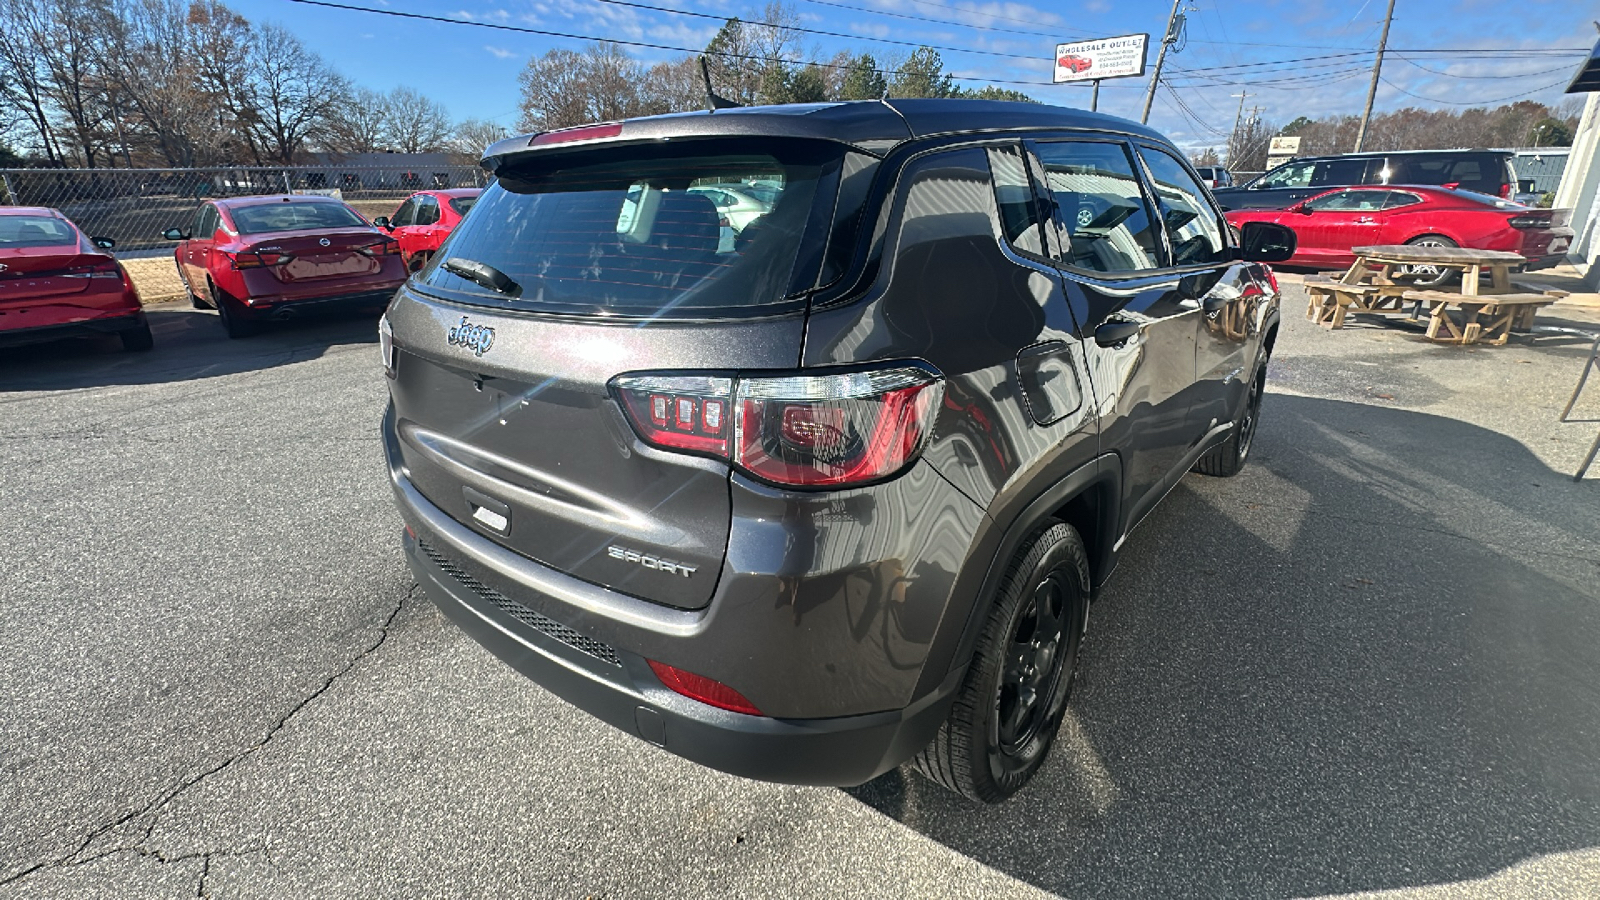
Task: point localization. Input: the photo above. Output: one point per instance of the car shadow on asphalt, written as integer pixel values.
(189, 344)
(1366, 663)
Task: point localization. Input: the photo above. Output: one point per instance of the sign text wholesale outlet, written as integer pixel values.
(1117, 57)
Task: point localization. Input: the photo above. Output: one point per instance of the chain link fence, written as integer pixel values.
(134, 206)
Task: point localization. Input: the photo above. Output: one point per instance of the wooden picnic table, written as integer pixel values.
(1377, 284)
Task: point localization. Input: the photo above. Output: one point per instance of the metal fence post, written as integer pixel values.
(288, 186)
(5, 184)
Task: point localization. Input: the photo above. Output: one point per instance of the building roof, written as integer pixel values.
(1588, 77)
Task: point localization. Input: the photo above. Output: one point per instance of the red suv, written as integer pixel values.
(425, 219)
(254, 258)
(55, 282)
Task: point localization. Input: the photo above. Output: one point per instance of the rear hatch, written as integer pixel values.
(43, 258)
(607, 263)
(1545, 232)
(297, 257)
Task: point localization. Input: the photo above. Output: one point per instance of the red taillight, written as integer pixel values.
(258, 259)
(103, 269)
(698, 687)
(1505, 192)
(381, 248)
(581, 133)
(686, 412)
(831, 430)
(1523, 221)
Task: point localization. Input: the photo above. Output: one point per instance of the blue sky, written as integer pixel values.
(1232, 45)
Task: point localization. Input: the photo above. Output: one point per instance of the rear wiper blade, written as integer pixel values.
(482, 273)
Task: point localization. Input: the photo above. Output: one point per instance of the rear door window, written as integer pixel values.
(631, 231)
(427, 210)
(1100, 206)
(1019, 209)
(1336, 172)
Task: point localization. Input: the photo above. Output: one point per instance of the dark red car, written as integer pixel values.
(55, 282)
(259, 258)
(425, 219)
(1331, 223)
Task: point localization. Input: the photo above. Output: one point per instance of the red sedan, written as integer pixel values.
(1329, 224)
(55, 282)
(425, 219)
(255, 258)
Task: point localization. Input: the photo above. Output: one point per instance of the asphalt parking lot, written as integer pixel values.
(1367, 664)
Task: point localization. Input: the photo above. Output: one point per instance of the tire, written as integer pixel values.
(230, 312)
(995, 737)
(417, 261)
(1227, 458)
(1430, 277)
(137, 340)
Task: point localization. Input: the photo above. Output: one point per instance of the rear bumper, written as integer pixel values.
(1545, 262)
(283, 304)
(850, 692)
(624, 693)
(114, 324)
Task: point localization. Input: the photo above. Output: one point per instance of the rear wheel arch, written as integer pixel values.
(1089, 499)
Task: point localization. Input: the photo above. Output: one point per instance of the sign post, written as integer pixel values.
(1094, 61)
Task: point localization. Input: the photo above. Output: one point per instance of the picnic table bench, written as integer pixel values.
(1382, 282)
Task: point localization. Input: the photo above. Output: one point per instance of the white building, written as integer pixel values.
(1580, 183)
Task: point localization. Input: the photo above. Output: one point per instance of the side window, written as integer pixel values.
(1194, 227)
(1336, 172)
(198, 223)
(1099, 206)
(1019, 211)
(1292, 175)
(427, 210)
(406, 214)
(1398, 199)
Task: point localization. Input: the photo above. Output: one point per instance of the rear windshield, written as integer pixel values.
(35, 231)
(704, 228)
(462, 204)
(294, 217)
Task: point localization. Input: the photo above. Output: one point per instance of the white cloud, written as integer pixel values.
(499, 52)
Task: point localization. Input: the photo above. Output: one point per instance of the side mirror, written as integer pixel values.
(383, 222)
(175, 234)
(1303, 209)
(1266, 242)
(104, 243)
(1115, 332)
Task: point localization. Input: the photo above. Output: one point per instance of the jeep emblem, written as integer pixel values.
(477, 338)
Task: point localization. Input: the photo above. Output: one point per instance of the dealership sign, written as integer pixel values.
(1116, 57)
(1284, 146)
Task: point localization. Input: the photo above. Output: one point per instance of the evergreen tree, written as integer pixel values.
(863, 81)
(922, 75)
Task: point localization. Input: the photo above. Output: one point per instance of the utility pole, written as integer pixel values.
(1377, 66)
(1166, 40)
(1233, 139)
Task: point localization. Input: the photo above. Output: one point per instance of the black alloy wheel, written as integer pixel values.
(1430, 277)
(231, 313)
(1005, 716)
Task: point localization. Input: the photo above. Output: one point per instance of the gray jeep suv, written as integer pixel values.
(807, 494)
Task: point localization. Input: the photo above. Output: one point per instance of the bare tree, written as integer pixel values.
(23, 76)
(565, 88)
(673, 86)
(473, 136)
(360, 123)
(415, 124)
(291, 91)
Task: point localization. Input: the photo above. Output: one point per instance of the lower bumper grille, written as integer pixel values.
(545, 625)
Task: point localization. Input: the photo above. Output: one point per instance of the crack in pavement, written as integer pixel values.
(153, 809)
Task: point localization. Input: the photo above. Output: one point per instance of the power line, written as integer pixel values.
(519, 29)
(1547, 87)
(833, 34)
(1485, 77)
(899, 15)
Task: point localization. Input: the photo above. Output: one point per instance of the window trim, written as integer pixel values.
(1047, 223)
(1163, 252)
(1229, 250)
